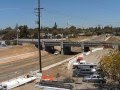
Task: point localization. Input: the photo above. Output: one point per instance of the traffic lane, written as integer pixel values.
(26, 68)
(94, 57)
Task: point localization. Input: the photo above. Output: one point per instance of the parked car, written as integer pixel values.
(94, 79)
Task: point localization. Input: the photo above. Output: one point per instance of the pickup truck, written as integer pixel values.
(94, 79)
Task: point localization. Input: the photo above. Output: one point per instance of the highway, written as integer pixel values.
(23, 66)
(17, 68)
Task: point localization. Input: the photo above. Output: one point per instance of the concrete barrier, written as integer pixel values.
(97, 49)
(17, 82)
(74, 59)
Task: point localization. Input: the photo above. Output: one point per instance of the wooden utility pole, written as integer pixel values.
(39, 38)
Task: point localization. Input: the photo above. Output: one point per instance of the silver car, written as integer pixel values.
(94, 79)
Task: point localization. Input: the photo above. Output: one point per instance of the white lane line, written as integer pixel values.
(107, 38)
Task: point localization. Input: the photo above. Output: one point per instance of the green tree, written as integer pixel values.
(110, 65)
(55, 26)
(72, 30)
(10, 35)
(24, 31)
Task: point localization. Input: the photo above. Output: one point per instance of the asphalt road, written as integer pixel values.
(17, 68)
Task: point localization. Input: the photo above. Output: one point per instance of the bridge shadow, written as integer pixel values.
(53, 50)
(37, 47)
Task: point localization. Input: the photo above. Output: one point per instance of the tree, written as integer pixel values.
(55, 26)
(72, 29)
(23, 31)
(110, 65)
(55, 32)
(10, 35)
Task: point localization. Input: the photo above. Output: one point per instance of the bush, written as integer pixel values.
(14, 43)
(7, 42)
(68, 80)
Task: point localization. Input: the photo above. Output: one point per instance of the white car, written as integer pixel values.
(77, 65)
(81, 62)
(56, 52)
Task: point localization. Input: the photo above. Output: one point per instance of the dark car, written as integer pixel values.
(83, 72)
(94, 79)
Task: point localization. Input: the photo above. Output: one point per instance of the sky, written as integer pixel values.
(80, 13)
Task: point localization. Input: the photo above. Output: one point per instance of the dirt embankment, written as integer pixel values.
(113, 39)
(19, 53)
(16, 50)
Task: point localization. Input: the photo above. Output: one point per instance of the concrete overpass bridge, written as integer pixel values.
(48, 44)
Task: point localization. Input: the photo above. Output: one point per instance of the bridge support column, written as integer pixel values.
(85, 48)
(65, 49)
(82, 46)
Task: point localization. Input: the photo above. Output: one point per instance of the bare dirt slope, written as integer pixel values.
(80, 38)
(16, 50)
(113, 39)
(19, 53)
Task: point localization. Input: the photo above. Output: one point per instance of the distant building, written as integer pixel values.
(49, 35)
(42, 34)
(59, 36)
(81, 34)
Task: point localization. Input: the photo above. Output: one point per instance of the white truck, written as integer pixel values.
(83, 64)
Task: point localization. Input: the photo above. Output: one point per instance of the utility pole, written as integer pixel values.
(39, 38)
